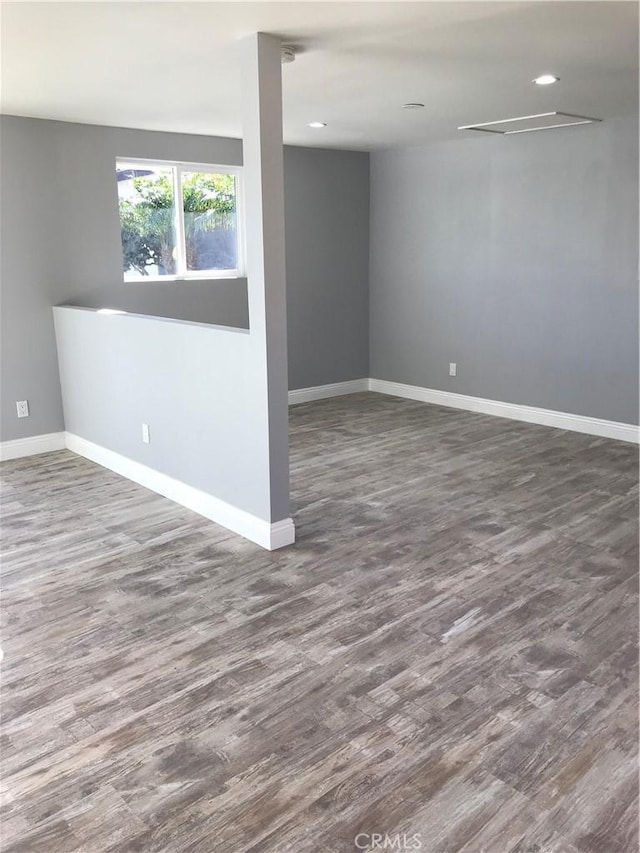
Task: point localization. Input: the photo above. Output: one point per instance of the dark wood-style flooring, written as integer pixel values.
(449, 649)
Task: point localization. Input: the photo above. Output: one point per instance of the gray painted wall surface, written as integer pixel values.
(327, 243)
(60, 243)
(517, 258)
(29, 261)
(90, 269)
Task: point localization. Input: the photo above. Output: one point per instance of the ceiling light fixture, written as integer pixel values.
(317, 124)
(413, 106)
(545, 79)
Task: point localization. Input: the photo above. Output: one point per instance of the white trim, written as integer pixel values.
(514, 411)
(211, 168)
(194, 275)
(178, 222)
(281, 534)
(269, 536)
(321, 392)
(31, 446)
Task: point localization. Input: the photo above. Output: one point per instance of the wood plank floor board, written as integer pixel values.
(450, 648)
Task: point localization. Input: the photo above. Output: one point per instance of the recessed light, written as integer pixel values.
(412, 106)
(317, 124)
(545, 79)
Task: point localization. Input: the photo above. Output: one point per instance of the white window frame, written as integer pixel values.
(183, 273)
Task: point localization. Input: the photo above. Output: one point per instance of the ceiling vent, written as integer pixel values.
(527, 124)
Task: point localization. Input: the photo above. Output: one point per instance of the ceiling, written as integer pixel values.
(175, 66)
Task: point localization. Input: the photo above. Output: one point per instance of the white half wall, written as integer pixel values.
(200, 390)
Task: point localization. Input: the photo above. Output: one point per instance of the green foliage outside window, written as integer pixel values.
(147, 218)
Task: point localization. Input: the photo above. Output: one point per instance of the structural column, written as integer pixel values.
(265, 244)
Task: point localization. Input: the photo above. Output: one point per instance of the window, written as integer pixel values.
(178, 221)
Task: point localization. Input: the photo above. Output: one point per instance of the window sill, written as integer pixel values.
(162, 279)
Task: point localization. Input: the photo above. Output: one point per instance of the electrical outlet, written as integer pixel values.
(22, 407)
(146, 438)
(453, 368)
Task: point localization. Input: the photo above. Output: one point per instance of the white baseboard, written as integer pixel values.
(269, 536)
(31, 446)
(514, 411)
(321, 392)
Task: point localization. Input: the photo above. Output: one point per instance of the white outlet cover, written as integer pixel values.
(453, 367)
(22, 407)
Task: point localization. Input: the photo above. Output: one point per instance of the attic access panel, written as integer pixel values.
(528, 124)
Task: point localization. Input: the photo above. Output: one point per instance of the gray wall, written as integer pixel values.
(517, 258)
(30, 256)
(327, 241)
(90, 272)
(60, 243)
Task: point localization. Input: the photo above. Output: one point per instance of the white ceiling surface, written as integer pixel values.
(175, 66)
